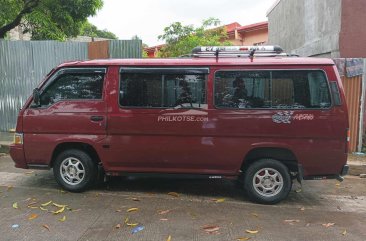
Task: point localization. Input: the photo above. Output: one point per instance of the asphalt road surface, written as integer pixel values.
(175, 209)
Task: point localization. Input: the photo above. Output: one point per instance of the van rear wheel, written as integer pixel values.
(74, 170)
(267, 181)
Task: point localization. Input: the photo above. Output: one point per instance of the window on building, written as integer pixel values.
(74, 86)
(271, 89)
(156, 90)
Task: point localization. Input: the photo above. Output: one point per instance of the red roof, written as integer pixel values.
(254, 26)
(232, 26)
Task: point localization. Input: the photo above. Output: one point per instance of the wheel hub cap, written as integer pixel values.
(268, 182)
(72, 171)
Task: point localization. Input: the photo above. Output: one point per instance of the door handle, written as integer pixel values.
(96, 118)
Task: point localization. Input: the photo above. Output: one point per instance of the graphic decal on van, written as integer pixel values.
(285, 117)
(189, 115)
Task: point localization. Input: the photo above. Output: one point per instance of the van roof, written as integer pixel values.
(202, 61)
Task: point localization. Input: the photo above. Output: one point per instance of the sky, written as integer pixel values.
(148, 18)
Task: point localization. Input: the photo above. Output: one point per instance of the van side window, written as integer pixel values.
(74, 86)
(150, 90)
(281, 89)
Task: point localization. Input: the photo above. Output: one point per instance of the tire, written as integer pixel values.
(267, 181)
(74, 170)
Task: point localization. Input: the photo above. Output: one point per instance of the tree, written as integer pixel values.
(91, 30)
(182, 39)
(47, 19)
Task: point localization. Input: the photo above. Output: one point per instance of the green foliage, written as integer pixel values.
(182, 39)
(47, 19)
(91, 30)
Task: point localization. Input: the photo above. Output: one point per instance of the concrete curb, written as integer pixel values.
(356, 168)
(4, 147)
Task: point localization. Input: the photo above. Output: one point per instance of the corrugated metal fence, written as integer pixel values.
(23, 64)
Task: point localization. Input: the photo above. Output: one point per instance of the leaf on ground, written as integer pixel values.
(15, 205)
(169, 238)
(58, 205)
(117, 226)
(32, 207)
(8, 188)
(291, 221)
(243, 238)
(252, 231)
(162, 212)
(219, 200)
(298, 190)
(132, 224)
(302, 209)
(163, 219)
(46, 204)
(211, 229)
(344, 232)
(32, 216)
(31, 204)
(255, 215)
(63, 219)
(43, 209)
(46, 227)
(132, 210)
(174, 194)
(126, 220)
(327, 225)
(118, 211)
(134, 199)
(59, 211)
(29, 173)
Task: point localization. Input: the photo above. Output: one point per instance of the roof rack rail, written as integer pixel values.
(238, 51)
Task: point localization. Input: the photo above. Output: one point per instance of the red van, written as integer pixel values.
(247, 113)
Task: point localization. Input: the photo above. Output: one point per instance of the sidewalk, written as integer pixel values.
(6, 138)
(357, 163)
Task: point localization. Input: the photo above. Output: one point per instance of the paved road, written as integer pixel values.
(95, 214)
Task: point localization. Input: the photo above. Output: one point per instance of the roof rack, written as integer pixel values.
(238, 51)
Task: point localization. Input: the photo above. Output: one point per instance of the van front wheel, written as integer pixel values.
(267, 181)
(74, 170)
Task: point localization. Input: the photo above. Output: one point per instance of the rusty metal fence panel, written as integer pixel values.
(23, 64)
(352, 88)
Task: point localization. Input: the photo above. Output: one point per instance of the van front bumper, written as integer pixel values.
(17, 154)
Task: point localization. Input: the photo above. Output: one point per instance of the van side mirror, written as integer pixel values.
(36, 97)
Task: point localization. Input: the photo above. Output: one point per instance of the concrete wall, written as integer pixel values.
(306, 27)
(353, 31)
